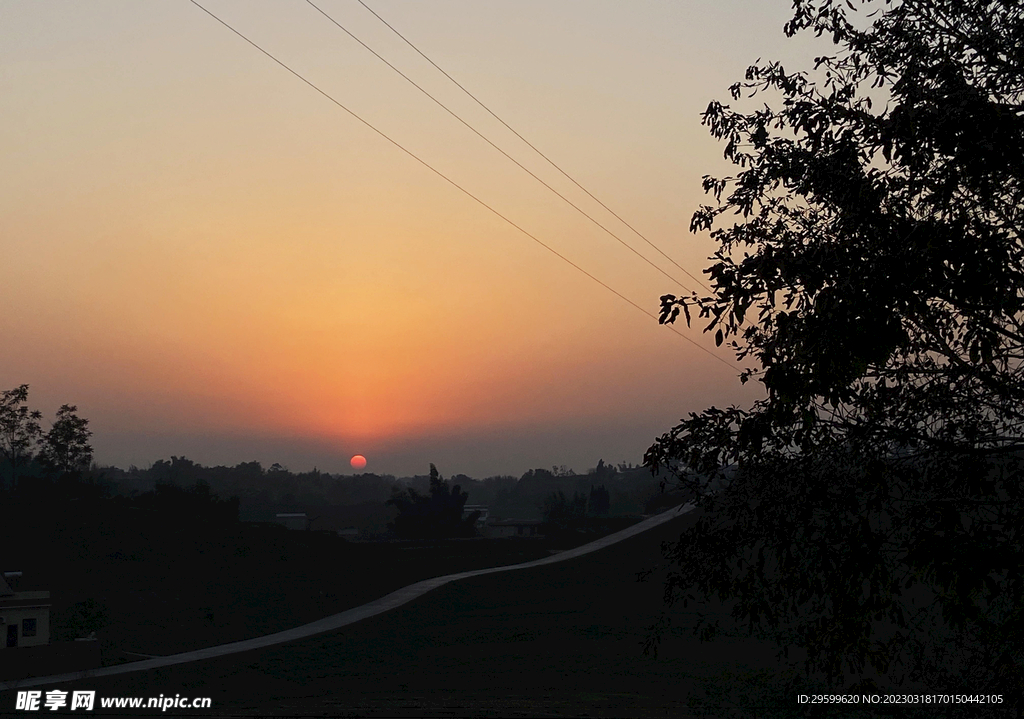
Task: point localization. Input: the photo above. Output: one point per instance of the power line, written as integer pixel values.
(453, 183)
(532, 146)
(488, 141)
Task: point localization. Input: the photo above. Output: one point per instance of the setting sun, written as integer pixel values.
(358, 461)
(309, 287)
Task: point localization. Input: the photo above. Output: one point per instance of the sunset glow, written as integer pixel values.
(211, 259)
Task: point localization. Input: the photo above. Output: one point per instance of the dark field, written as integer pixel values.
(550, 641)
(254, 581)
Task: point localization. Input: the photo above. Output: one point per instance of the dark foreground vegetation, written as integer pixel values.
(870, 274)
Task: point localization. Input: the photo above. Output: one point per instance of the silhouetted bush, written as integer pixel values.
(434, 516)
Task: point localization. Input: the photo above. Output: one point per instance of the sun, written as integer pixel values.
(358, 461)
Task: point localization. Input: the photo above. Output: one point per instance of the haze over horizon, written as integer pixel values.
(212, 260)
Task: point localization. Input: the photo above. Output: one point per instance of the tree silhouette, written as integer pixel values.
(66, 448)
(867, 508)
(20, 430)
(436, 516)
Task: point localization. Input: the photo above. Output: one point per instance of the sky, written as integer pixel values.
(213, 260)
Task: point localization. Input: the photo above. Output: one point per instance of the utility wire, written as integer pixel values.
(531, 145)
(455, 184)
(485, 139)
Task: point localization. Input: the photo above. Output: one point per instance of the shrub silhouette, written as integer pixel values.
(434, 516)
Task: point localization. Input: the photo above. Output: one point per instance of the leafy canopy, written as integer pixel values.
(20, 430)
(66, 446)
(872, 278)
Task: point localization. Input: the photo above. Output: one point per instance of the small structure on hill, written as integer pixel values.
(25, 636)
(24, 616)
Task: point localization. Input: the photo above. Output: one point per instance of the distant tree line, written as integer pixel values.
(35, 458)
(264, 491)
(47, 478)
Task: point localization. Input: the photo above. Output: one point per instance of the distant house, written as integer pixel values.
(24, 616)
(25, 634)
(348, 532)
(293, 520)
(498, 528)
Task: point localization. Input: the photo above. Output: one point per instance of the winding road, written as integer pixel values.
(349, 616)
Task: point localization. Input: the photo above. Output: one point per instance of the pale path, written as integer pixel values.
(349, 616)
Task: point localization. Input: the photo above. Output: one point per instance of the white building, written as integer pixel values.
(24, 616)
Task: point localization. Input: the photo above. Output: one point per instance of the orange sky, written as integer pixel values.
(212, 260)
